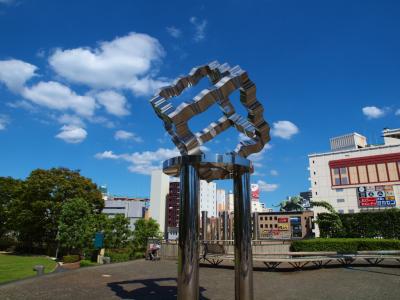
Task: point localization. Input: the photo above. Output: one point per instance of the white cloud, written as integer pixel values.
(70, 120)
(267, 187)
(174, 32)
(57, 96)
(274, 173)
(200, 27)
(257, 157)
(15, 73)
(4, 120)
(284, 129)
(72, 134)
(373, 112)
(106, 155)
(113, 102)
(142, 162)
(397, 113)
(124, 62)
(126, 135)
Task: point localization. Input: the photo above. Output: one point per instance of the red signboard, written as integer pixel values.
(283, 220)
(367, 201)
(255, 192)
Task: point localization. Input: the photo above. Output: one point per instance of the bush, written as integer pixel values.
(67, 259)
(87, 263)
(344, 245)
(118, 255)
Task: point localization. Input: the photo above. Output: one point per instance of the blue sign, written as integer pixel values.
(98, 240)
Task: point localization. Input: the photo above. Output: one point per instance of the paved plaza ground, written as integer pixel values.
(157, 280)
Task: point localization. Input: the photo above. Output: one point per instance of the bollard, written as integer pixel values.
(39, 270)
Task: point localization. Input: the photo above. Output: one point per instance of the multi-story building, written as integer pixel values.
(131, 208)
(284, 225)
(208, 198)
(221, 201)
(158, 193)
(355, 176)
(230, 205)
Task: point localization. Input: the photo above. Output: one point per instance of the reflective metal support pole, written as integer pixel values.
(204, 225)
(188, 257)
(242, 229)
(255, 226)
(225, 232)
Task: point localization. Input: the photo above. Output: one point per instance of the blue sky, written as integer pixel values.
(76, 77)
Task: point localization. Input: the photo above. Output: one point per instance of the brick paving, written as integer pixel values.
(157, 280)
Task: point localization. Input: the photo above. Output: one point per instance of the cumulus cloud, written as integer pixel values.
(57, 96)
(284, 129)
(273, 173)
(373, 112)
(15, 73)
(113, 102)
(200, 28)
(4, 120)
(72, 134)
(174, 32)
(267, 187)
(124, 62)
(141, 162)
(70, 120)
(127, 136)
(106, 155)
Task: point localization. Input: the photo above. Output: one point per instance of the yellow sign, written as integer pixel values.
(283, 226)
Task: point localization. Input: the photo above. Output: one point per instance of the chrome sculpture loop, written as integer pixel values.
(194, 165)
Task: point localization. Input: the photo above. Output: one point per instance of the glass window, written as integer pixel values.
(341, 211)
(270, 225)
(276, 225)
(362, 172)
(351, 211)
(353, 175)
(382, 172)
(343, 176)
(262, 226)
(393, 175)
(340, 200)
(373, 176)
(335, 176)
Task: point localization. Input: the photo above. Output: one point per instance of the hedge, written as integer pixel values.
(376, 224)
(344, 245)
(118, 255)
(71, 258)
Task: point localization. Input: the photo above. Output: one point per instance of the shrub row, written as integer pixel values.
(124, 254)
(344, 245)
(71, 258)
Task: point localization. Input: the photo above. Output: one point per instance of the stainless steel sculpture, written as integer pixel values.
(194, 165)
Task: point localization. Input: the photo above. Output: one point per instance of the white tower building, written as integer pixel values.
(158, 193)
(208, 198)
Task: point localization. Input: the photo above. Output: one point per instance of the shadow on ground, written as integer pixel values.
(158, 288)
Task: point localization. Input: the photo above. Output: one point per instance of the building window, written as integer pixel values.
(316, 193)
(276, 226)
(315, 173)
(262, 226)
(270, 225)
(315, 183)
(363, 175)
(341, 211)
(382, 172)
(275, 218)
(340, 200)
(270, 218)
(353, 175)
(372, 173)
(392, 169)
(339, 190)
(351, 211)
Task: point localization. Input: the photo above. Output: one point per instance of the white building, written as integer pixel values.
(355, 176)
(131, 209)
(230, 204)
(221, 200)
(158, 192)
(208, 198)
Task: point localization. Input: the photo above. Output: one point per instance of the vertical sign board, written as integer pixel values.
(98, 240)
(376, 196)
(255, 192)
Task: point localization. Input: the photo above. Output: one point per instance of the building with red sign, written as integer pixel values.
(355, 176)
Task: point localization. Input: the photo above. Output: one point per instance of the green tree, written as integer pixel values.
(294, 203)
(329, 223)
(10, 192)
(145, 229)
(75, 225)
(37, 215)
(117, 233)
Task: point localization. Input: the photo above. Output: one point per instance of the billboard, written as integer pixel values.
(255, 192)
(376, 196)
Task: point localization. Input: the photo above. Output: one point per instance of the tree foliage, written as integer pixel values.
(145, 229)
(10, 192)
(329, 223)
(294, 203)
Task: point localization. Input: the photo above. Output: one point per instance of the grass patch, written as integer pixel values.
(13, 267)
(87, 263)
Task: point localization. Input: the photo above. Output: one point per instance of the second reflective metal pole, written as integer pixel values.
(242, 230)
(188, 256)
